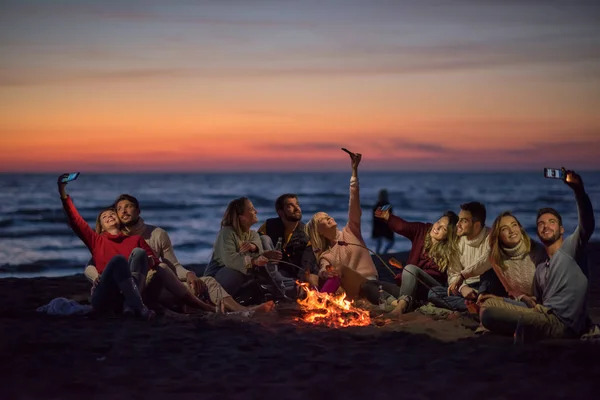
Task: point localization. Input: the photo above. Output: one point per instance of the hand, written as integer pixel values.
(385, 215)
(530, 301)
(453, 289)
(330, 272)
(573, 180)
(273, 255)
(61, 186)
(260, 261)
(355, 159)
(468, 293)
(248, 247)
(483, 297)
(193, 282)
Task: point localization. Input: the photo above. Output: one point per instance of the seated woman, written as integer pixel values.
(237, 249)
(514, 257)
(341, 255)
(116, 255)
(433, 259)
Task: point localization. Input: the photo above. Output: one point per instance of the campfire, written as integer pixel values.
(331, 310)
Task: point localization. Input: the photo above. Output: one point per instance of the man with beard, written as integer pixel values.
(477, 275)
(560, 283)
(296, 248)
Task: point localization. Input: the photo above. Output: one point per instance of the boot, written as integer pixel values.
(133, 300)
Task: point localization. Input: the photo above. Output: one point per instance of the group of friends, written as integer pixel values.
(455, 262)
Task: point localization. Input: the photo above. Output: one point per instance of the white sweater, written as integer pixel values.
(475, 255)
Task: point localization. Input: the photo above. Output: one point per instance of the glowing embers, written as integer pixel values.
(331, 310)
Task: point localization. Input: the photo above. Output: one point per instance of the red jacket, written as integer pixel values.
(415, 232)
(104, 246)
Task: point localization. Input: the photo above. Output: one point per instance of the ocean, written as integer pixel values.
(35, 239)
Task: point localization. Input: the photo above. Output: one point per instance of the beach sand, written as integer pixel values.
(273, 356)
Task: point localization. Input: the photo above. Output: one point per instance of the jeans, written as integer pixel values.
(411, 277)
(231, 280)
(107, 295)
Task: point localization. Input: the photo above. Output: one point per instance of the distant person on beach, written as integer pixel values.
(341, 255)
(513, 256)
(433, 259)
(237, 249)
(560, 306)
(296, 247)
(474, 249)
(169, 285)
(116, 256)
(381, 230)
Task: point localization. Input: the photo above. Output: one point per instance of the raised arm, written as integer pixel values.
(574, 245)
(76, 221)
(354, 209)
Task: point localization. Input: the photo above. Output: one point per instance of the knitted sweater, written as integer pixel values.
(475, 256)
(227, 251)
(354, 257)
(519, 269)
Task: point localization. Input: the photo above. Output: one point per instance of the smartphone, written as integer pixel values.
(70, 178)
(554, 173)
(386, 207)
(347, 151)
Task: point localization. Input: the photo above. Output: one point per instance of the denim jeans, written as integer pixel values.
(107, 296)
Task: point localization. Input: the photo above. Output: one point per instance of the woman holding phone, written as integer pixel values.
(115, 255)
(433, 259)
(342, 255)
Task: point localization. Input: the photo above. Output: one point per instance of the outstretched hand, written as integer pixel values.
(379, 213)
(573, 180)
(354, 158)
(61, 186)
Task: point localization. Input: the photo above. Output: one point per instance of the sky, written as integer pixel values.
(257, 85)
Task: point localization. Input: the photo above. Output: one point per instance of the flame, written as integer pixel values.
(331, 310)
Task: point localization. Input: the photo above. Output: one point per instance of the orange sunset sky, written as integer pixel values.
(258, 85)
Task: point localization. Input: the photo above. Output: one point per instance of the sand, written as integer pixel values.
(273, 356)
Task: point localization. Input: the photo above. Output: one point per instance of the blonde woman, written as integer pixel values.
(237, 249)
(433, 258)
(342, 257)
(514, 257)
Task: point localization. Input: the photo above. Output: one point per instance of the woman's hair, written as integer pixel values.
(318, 242)
(98, 227)
(445, 251)
(232, 214)
(496, 253)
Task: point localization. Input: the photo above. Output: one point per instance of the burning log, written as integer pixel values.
(330, 310)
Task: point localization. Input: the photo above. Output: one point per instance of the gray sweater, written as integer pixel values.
(561, 282)
(227, 251)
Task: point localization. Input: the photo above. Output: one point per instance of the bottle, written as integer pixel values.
(278, 247)
(382, 299)
(519, 336)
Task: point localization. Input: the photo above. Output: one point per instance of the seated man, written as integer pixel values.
(296, 248)
(560, 283)
(477, 276)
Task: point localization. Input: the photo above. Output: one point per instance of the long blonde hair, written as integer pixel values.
(232, 214)
(497, 255)
(443, 252)
(319, 243)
